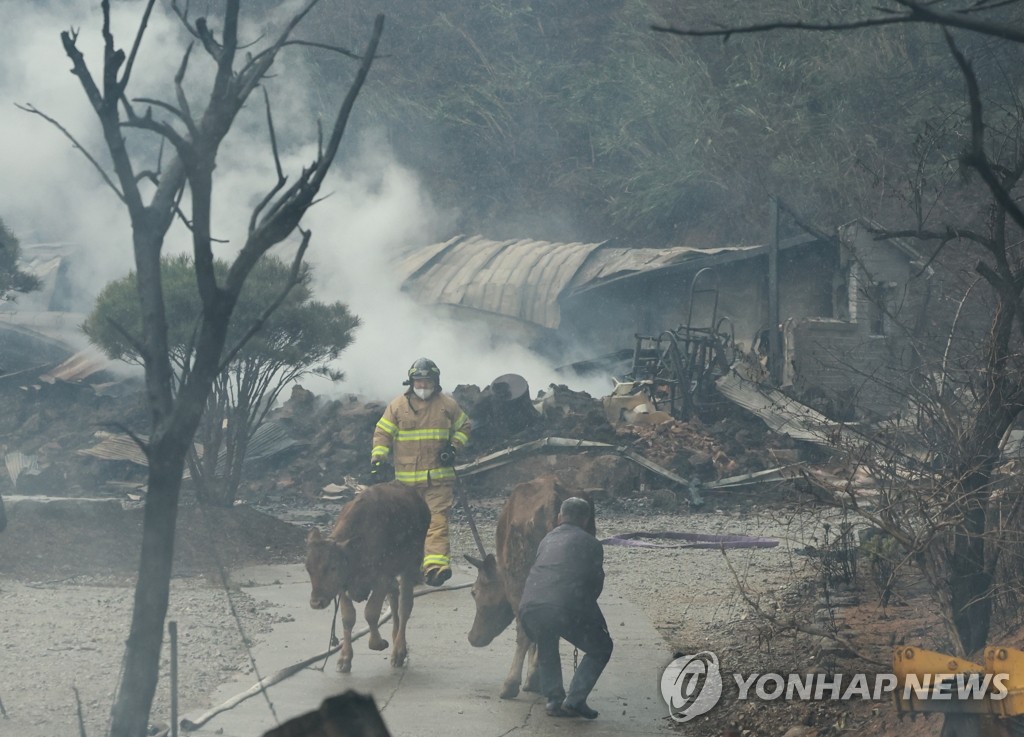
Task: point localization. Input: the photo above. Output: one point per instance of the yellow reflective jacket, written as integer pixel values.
(413, 431)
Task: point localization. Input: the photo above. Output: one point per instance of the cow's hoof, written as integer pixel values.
(532, 685)
(344, 666)
(378, 643)
(399, 660)
(509, 691)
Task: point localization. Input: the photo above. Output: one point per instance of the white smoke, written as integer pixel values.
(376, 207)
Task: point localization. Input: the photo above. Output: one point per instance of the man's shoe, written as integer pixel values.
(554, 708)
(436, 576)
(581, 710)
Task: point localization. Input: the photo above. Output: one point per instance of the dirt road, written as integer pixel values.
(62, 634)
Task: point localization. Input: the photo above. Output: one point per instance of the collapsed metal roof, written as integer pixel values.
(525, 279)
(78, 367)
(268, 440)
(517, 278)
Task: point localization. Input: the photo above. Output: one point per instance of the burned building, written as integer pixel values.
(844, 304)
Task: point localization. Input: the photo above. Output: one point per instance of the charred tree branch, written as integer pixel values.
(74, 142)
(294, 277)
(129, 65)
(976, 157)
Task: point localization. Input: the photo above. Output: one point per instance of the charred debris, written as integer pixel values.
(64, 432)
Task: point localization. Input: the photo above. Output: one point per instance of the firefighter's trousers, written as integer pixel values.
(437, 548)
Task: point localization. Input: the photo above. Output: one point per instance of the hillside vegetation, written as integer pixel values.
(576, 120)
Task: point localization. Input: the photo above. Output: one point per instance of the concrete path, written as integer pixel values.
(448, 687)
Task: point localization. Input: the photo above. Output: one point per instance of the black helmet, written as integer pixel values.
(424, 368)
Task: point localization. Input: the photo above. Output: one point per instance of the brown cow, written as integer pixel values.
(377, 538)
(528, 515)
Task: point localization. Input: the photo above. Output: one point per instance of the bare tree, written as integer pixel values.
(195, 138)
(947, 525)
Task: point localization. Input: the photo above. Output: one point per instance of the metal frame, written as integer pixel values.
(677, 368)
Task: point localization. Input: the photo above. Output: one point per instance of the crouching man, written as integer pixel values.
(560, 601)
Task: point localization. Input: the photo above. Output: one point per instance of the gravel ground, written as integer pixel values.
(59, 635)
(59, 638)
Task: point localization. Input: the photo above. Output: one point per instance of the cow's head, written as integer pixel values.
(327, 563)
(493, 610)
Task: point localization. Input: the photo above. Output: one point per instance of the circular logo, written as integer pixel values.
(691, 685)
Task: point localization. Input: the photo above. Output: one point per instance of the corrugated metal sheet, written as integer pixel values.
(525, 279)
(79, 367)
(116, 448)
(517, 278)
(269, 439)
(18, 463)
(787, 416)
(613, 263)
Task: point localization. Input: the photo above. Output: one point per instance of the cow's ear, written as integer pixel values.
(475, 562)
(313, 536)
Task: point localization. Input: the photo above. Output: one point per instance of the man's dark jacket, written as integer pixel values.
(567, 573)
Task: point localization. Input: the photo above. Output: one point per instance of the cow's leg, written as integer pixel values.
(348, 621)
(532, 684)
(405, 599)
(393, 603)
(372, 613)
(510, 689)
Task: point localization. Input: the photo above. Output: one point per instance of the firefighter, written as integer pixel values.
(420, 432)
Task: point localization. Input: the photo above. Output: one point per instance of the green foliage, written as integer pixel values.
(300, 336)
(301, 332)
(12, 279)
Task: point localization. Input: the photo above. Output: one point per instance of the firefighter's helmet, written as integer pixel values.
(424, 368)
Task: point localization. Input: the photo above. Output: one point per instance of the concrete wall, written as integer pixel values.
(838, 368)
(864, 359)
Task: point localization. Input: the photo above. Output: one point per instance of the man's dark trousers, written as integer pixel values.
(586, 630)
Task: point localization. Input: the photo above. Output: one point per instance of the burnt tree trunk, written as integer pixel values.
(130, 715)
(174, 416)
(969, 558)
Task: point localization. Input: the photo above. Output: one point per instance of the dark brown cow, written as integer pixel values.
(528, 515)
(377, 539)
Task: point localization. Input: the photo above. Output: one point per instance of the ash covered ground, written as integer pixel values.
(67, 569)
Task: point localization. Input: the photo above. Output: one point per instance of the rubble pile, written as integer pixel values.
(68, 439)
(44, 425)
(732, 445)
(334, 439)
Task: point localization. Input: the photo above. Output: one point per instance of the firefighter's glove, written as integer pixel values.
(446, 456)
(377, 469)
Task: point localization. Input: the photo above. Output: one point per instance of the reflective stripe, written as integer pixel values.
(461, 437)
(422, 477)
(436, 561)
(381, 451)
(462, 419)
(430, 433)
(387, 426)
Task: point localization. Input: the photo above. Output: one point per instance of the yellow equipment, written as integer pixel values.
(994, 715)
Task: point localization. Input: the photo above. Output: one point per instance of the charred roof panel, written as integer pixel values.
(616, 263)
(525, 279)
(516, 278)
